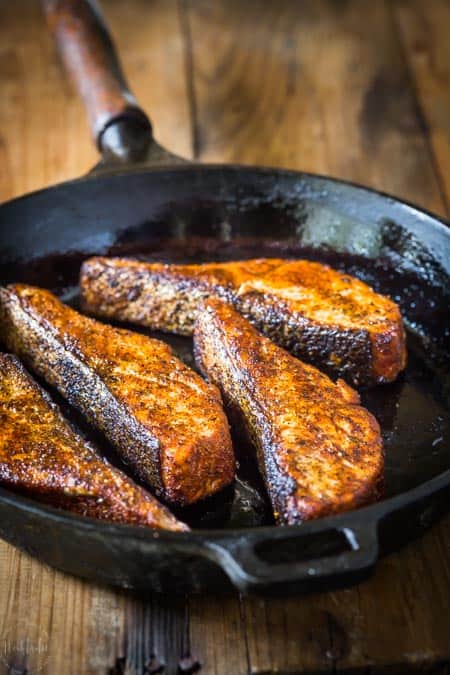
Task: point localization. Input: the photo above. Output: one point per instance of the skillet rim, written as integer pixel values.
(95, 174)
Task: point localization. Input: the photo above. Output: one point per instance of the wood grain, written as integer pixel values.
(356, 89)
(324, 88)
(44, 137)
(423, 29)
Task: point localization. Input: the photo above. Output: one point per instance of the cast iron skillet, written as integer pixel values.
(142, 201)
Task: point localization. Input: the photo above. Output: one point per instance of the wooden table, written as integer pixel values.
(355, 89)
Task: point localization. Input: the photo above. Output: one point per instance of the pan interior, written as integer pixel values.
(196, 215)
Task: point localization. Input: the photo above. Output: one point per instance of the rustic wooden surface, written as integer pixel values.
(357, 89)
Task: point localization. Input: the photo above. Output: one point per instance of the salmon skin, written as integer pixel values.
(324, 317)
(166, 423)
(319, 451)
(43, 457)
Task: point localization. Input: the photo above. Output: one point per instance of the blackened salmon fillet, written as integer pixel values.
(325, 317)
(166, 423)
(319, 451)
(43, 457)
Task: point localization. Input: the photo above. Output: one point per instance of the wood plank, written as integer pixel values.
(325, 88)
(312, 86)
(43, 133)
(217, 634)
(156, 637)
(424, 29)
(155, 63)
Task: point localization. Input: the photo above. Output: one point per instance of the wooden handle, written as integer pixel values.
(89, 55)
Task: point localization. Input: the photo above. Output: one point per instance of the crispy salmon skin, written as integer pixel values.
(163, 419)
(43, 457)
(325, 317)
(319, 451)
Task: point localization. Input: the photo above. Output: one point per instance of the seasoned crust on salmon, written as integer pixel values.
(319, 451)
(328, 318)
(163, 419)
(43, 457)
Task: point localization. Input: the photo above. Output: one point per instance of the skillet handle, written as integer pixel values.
(254, 561)
(119, 126)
